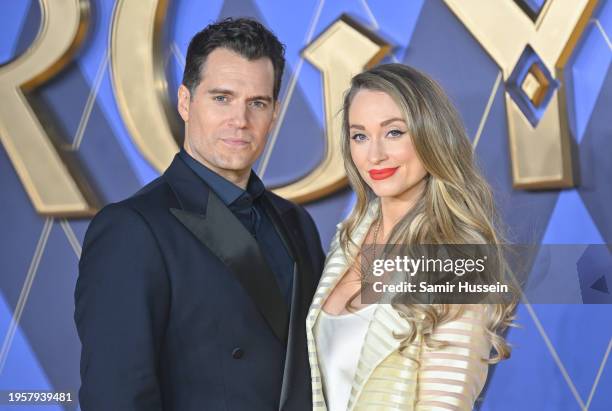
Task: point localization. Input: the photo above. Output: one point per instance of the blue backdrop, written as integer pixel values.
(561, 352)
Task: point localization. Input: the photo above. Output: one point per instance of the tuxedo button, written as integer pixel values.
(237, 353)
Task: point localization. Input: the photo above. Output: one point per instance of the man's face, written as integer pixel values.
(229, 115)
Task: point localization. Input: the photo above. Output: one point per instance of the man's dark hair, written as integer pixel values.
(247, 37)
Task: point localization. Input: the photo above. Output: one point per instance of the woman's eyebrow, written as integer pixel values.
(384, 123)
(391, 120)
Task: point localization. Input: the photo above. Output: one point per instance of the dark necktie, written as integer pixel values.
(244, 209)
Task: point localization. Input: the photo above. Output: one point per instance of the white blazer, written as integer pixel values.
(420, 378)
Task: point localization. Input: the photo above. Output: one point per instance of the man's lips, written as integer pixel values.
(382, 173)
(236, 142)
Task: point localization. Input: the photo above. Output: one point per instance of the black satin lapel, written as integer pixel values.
(223, 234)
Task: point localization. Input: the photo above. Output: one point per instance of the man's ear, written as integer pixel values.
(184, 98)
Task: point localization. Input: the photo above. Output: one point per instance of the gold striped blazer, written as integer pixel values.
(420, 378)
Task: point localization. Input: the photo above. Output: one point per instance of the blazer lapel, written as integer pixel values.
(378, 344)
(336, 266)
(379, 341)
(223, 234)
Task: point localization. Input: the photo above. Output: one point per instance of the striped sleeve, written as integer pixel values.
(451, 377)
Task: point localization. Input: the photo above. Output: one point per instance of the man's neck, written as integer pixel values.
(239, 178)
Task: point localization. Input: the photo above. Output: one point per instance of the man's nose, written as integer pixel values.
(239, 116)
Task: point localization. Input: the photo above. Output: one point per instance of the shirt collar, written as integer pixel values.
(227, 191)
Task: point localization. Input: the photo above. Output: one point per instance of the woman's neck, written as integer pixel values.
(392, 209)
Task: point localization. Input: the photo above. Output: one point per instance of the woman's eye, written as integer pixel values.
(395, 133)
(359, 137)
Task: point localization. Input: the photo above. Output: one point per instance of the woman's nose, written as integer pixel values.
(376, 151)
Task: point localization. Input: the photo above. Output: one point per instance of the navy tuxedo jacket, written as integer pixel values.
(177, 309)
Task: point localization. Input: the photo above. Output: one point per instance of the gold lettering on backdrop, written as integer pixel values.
(139, 81)
(541, 155)
(341, 51)
(43, 172)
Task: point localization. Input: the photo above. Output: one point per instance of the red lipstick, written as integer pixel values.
(382, 173)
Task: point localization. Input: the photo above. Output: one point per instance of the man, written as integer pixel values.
(193, 293)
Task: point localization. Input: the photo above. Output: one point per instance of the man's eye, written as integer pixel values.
(359, 137)
(220, 99)
(259, 104)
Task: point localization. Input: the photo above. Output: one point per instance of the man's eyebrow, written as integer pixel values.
(267, 99)
(221, 91)
(231, 93)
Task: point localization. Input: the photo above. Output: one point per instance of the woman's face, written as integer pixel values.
(381, 147)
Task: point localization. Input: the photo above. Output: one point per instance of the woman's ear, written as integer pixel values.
(184, 98)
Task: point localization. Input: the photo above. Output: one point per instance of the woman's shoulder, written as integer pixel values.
(350, 231)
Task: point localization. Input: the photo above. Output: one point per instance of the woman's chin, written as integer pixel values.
(386, 193)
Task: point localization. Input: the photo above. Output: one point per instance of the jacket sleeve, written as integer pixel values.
(451, 377)
(121, 305)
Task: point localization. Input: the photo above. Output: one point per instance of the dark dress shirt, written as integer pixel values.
(246, 206)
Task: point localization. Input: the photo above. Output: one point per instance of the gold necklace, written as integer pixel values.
(375, 240)
(376, 229)
(368, 275)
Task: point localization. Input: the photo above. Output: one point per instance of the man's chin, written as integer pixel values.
(236, 162)
(237, 167)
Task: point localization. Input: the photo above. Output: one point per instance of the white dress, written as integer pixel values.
(339, 340)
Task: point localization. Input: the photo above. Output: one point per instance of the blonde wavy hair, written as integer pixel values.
(456, 206)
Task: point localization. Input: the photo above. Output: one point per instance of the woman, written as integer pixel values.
(411, 165)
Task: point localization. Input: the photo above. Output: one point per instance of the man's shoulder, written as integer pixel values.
(283, 206)
(153, 197)
(157, 193)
